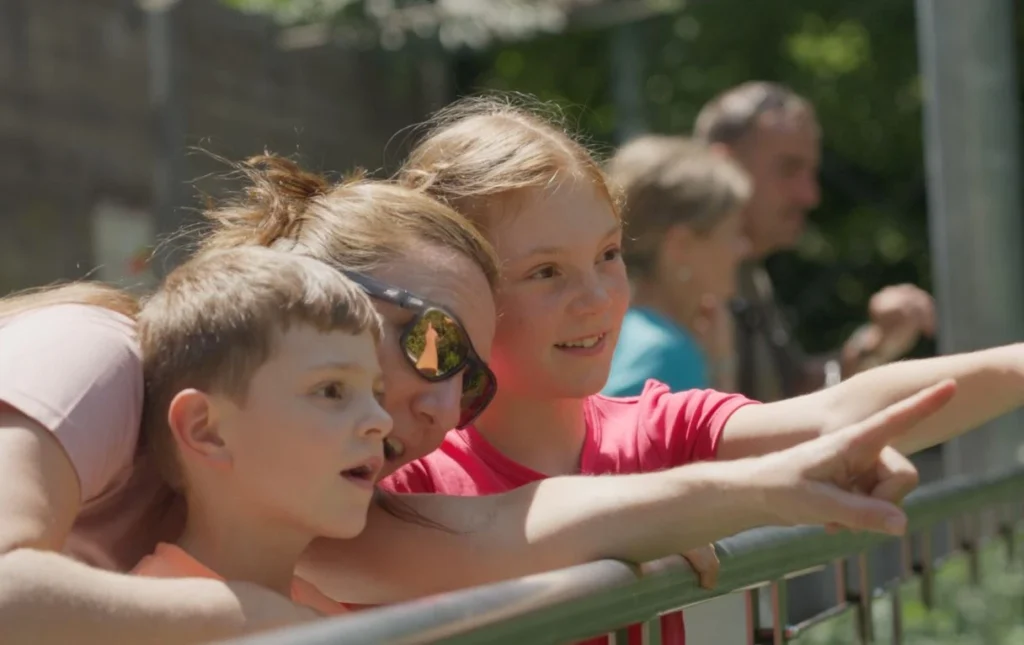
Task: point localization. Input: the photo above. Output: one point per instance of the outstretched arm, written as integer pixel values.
(990, 383)
(48, 598)
(569, 520)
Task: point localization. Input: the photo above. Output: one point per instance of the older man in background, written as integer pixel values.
(774, 134)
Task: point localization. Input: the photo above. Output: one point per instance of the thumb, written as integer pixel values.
(857, 512)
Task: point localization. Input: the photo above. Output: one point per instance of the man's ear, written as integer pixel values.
(192, 417)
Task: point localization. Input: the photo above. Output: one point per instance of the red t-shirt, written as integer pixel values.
(653, 431)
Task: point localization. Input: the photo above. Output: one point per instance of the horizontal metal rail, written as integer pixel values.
(596, 598)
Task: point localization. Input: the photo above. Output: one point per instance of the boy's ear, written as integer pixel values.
(193, 421)
(677, 245)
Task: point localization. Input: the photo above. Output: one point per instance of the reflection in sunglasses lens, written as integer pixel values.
(435, 344)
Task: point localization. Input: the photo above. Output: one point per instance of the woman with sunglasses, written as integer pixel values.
(73, 478)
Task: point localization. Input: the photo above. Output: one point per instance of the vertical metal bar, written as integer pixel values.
(967, 53)
(777, 633)
(906, 557)
(865, 624)
(896, 589)
(924, 567)
(627, 70)
(167, 107)
(1007, 531)
(756, 633)
(780, 613)
(897, 612)
(842, 586)
(969, 529)
(651, 631)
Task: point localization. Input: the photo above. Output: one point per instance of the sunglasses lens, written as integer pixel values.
(478, 387)
(435, 344)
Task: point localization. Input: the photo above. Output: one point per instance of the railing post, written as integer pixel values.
(754, 616)
(969, 530)
(897, 611)
(896, 589)
(863, 596)
(924, 567)
(780, 612)
(651, 632)
(1007, 530)
(778, 633)
(968, 60)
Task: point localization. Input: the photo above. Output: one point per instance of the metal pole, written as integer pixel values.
(627, 62)
(972, 150)
(168, 113)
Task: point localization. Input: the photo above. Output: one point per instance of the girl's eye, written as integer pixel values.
(543, 273)
(332, 391)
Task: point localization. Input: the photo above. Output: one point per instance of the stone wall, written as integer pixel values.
(78, 135)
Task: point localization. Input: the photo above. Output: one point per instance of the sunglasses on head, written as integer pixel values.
(437, 346)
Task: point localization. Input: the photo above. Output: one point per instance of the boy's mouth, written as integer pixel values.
(365, 474)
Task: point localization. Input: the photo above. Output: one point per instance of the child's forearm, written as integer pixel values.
(48, 598)
(546, 525)
(990, 383)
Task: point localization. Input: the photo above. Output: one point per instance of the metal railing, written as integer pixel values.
(588, 600)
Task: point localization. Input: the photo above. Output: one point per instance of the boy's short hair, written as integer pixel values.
(215, 319)
(670, 180)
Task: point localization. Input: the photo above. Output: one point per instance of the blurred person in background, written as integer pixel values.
(682, 246)
(774, 134)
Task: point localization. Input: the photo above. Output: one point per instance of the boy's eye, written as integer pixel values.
(331, 390)
(378, 394)
(543, 273)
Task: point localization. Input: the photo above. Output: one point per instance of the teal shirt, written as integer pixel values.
(652, 346)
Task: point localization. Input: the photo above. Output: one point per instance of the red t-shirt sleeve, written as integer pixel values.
(411, 478)
(686, 425)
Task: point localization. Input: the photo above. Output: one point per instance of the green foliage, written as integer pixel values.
(988, 614)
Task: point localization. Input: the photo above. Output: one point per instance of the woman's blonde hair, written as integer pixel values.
(482, 148)
(355, 224)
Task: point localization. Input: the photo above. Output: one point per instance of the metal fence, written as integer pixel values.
(571, 604)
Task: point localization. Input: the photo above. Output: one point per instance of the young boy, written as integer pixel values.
(262, 393)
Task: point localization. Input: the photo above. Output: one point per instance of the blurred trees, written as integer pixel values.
(856, 60)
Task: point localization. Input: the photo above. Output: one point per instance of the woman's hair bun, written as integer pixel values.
(273, 204)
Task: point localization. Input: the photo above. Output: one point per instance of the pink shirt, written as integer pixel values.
(653, 431)
(77, 371)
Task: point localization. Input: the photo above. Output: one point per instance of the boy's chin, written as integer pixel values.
(343, 530)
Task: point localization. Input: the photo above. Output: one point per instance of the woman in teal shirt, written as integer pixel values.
(683, 244)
